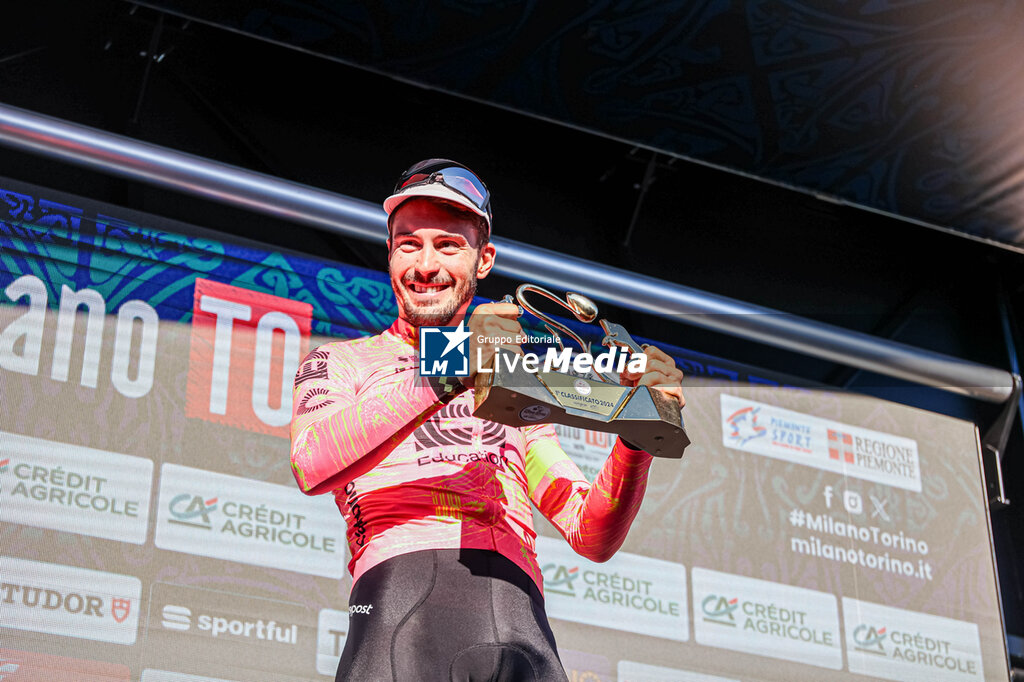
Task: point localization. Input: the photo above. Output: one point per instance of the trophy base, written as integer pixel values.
(645, 417)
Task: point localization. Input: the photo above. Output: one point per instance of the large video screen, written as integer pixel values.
(152, 530)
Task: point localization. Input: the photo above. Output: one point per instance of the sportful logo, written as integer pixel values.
(869, 639)
(187, 509)
(180, 618)
(718, 609)
(177, 617)
(744, 425)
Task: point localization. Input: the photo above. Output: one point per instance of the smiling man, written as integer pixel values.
(438, 502)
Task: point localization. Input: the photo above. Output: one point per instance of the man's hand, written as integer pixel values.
(489, 322)
(661, 373)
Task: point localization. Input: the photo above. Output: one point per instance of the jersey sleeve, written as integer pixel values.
(593, 518)
(342, 426)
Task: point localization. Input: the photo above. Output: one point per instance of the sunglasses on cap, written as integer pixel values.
(452, 175)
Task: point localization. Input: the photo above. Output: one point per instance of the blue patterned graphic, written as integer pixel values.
(63, 245)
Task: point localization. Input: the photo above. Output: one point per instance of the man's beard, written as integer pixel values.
(439, 314)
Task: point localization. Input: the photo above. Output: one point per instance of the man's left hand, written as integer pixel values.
(661, 373)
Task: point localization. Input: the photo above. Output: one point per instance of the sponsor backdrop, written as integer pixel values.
(151, 529)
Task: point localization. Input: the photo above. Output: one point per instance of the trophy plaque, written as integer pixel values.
(510, 393)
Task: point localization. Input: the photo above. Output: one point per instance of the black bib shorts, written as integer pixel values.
(448, 615)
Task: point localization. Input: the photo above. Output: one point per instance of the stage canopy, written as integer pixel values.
(908, 108)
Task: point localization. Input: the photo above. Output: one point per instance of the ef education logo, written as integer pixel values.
(444, 351)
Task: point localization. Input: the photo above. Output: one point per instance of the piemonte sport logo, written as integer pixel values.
(869, 639)
(444, 351)
(192, 510)
(719, 609)
(561, 579)
(743, 425)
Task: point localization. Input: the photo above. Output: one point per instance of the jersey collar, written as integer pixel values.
(405, 332)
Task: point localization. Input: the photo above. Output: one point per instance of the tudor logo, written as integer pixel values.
(52, 600)
(120, 608)
(69, 601)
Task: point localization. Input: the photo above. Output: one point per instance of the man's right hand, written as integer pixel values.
(489, 322)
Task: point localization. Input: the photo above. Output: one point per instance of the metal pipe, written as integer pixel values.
(121, 156)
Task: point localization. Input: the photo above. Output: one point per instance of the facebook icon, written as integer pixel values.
(444, 351)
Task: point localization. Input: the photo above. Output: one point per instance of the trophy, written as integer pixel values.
(519, 391)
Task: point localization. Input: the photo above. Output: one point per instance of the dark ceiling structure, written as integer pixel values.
(859, 166)
(908, 108)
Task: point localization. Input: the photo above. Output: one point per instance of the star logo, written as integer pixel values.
(444, 351)
(455, 337)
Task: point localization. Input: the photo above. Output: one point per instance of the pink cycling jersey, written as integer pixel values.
(411, 468)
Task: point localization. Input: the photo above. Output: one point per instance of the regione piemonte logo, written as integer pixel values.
(444, 351)
(840, 444)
